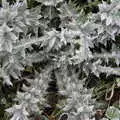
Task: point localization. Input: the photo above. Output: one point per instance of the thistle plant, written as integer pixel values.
(53, 40)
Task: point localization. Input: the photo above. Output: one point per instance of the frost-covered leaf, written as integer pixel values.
(19, 112)
(108, 21)
(7, 80)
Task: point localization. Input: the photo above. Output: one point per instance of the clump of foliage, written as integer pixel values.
(48, 53)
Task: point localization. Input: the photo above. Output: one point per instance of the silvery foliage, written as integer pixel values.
(79, 104)
(14, 20)
(52, 40)
(106, 26)
(100, 28)
(19, 112)
(60, 52)
(28, 101)
(50, 2)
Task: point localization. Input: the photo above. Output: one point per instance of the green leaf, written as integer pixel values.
(113, 113)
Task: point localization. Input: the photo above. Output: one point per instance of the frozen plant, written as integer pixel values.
(65, 46)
